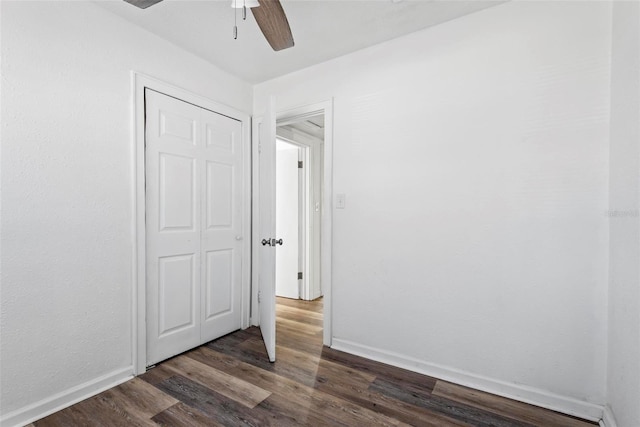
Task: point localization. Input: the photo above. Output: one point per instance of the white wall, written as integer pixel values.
(474, 157)
(623, 385)
(67, 193)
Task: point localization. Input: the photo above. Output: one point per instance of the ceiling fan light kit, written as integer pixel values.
(269, 15)
(239, 4)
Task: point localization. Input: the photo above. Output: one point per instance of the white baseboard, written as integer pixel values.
(537, 397)
(608, 420)
(59, 401)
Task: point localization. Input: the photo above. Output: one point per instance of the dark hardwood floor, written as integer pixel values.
(229, 382)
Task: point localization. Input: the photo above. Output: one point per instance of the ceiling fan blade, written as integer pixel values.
(273, 23)
(143, 4)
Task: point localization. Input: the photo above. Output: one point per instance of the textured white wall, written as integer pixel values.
(623, 385)
(67, 188)
(474, 157)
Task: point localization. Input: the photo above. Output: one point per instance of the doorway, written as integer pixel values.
(264, 212)
(299, 184)
(299, 152)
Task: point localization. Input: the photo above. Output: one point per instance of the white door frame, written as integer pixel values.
(139, 82)
(290, 115)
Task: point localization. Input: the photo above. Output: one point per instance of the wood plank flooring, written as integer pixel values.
(230, 382)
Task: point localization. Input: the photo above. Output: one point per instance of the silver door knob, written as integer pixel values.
(271, 242)
(238, 237)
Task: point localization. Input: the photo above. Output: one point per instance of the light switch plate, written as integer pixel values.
(341, 201)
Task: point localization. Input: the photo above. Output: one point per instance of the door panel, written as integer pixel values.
(219, 282)
(222, 235)
(176, 293)
(177, 187)
(193, 225)
(267, 229)
(219, 198)
(220, 136)
(173, 226)
(181, 127)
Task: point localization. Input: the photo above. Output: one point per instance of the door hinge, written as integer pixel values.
(258, 297)
(300, 276)
(300, 164)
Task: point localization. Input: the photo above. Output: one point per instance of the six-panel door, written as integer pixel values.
(222, 226)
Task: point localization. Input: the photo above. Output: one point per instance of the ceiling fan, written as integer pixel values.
(269, 15)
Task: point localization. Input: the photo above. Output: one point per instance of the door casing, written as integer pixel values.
(139, 82)
(282, 117)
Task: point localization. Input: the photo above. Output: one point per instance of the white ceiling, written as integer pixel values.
(322, 29)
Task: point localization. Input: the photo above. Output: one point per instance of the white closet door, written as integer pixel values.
(221, 271)
(173, 143)
(193, 216)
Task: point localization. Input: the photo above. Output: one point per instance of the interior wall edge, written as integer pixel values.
(522, 393)
(66, 398)
(608, 419)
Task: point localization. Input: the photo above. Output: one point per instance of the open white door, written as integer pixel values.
(267, 229)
